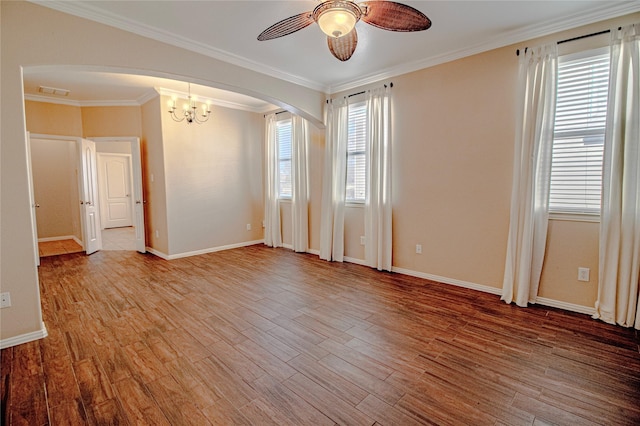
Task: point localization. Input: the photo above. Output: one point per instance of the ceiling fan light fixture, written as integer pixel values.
(337, 18)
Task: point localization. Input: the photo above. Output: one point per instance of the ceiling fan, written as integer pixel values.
(337, 19)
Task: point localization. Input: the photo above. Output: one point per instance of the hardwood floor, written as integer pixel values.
(266, 336)
(55, 248)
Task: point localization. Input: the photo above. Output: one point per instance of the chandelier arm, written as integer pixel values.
(172, 113)
(190, 113)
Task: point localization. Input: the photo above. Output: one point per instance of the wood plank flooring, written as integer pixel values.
(269, 337)
(55, 248)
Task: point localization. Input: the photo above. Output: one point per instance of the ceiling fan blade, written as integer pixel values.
(343, 47)
(287, 26)
(393, 16)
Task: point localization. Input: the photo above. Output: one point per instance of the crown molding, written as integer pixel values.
(59, 101)
(146, 97)
(149, 95)
(86, 11)
(213, 101)
(517, 36)
(69, 102)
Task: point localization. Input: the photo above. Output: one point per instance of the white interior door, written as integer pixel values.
(114, 181)
(89, 202)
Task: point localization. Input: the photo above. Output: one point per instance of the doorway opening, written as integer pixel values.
(60, 199)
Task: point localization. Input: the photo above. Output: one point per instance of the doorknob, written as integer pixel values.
(128, 195)
(36, 205)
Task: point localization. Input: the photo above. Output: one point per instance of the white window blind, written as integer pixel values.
(576, 170)
(283, 138)
(356, 153)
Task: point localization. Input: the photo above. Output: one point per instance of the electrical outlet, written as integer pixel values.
(583, 274)
(5, 300)
(248, 227)
(419, 248)
(362, 240)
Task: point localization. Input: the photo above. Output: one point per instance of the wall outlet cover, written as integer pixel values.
(583, 274)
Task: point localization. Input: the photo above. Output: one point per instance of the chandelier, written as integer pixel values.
(190, 111)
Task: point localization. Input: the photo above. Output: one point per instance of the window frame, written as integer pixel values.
(358, 105)
(567, 212)
(281, 123)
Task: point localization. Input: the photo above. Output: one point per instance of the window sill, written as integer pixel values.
(575, 217)
(354, 204)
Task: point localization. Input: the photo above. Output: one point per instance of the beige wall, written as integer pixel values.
(55, 184)
(453, 129)
(154, 176)
(53, 119)
(213, 176)
(111, 121)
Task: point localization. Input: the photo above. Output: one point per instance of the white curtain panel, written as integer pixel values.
(334, 181)
(272, 230)
(377, 212)
(300, 180)
(529, 214)
(620, 217)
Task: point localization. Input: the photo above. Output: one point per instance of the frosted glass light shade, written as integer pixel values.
(337, 22)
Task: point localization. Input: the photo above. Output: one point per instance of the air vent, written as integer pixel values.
(53, 91)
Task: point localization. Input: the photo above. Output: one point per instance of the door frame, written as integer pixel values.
(138, 193)
(78, 141)
(32, 200)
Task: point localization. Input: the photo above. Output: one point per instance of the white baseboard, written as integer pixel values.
(589, 310)
(345, 258)
(80, 243)
(355, 260)
(203, 251)
(446, 280)
(24, 338)
(61, 238)
(157, 253)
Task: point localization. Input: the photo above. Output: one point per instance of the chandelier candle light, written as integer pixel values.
(190, 111)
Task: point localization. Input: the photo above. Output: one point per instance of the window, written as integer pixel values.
(283, 139)
(581, 109)
(356, 153)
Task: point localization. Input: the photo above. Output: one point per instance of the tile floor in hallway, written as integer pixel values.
(119, 238)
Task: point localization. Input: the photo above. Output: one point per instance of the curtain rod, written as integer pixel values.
(573, 39)
(279, 112)
(364, 91)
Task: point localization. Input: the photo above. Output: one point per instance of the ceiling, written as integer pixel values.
(228, 30)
